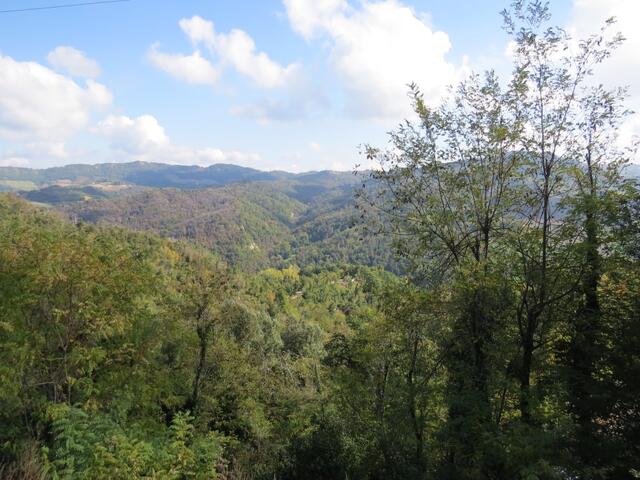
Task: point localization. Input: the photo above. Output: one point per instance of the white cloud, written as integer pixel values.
(623, 68)
(235, 49)
(134, 135)
(314, 146)
(74, 62)
(14, 161)
(239, 50)
(377, 49)
(193, 68)
(42, 108)
(198, 30)
(144, 139)
(309, 18)
(588, 16)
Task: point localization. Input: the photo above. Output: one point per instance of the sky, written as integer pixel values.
(292, 85)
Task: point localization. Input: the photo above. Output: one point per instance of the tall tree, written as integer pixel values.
(551, 71)
(478, 195)
(448, 188)
(597, 176)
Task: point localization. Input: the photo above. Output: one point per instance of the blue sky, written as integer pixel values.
(292, 84)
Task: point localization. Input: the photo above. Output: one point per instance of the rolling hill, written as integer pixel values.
(133, 173)
(305, 221)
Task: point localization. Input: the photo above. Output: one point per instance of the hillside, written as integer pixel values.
(251, 218)
(133, 173)
(111, 319)
(240, 223)
(306, 221)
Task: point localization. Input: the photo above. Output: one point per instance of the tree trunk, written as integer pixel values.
(192, 402)
(525, 379)
(583, 351)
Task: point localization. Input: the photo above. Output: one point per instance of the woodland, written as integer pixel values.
(468, 309)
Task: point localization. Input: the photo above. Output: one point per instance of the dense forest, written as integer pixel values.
(468, 309)
(251, 219)
(252, 225)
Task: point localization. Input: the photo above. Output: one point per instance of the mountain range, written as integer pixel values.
(252, 219)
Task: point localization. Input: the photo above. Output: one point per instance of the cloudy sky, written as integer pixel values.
(273, 84)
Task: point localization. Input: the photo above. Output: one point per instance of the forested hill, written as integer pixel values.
(309, 220)
(252, 219)
(134, 173)
(110, 338)
(108, 178)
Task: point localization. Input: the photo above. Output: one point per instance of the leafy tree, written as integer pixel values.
(477, 195)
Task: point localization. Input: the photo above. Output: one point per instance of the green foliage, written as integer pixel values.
(508, 203)
(508, 351)
(304, 221)
(128, 356)
(94, 445)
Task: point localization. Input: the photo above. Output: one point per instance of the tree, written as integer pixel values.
(477, 194)
(204, 285)
(448, 189)
(551, 72)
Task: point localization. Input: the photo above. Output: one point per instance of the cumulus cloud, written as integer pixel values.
(377, 48)
(193, 68)
(134, 135)
(144, 139)
(41, 107)
(310, 18)
(235, 49)
(239, 50)
(74, 62)
(41, 110)
(588, 16)
(198, 30)
(623, 68)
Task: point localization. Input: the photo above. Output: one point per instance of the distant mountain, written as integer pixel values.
(632, 170)
(135, 173)
(57, 194)
(242, 223)
(156, 175)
